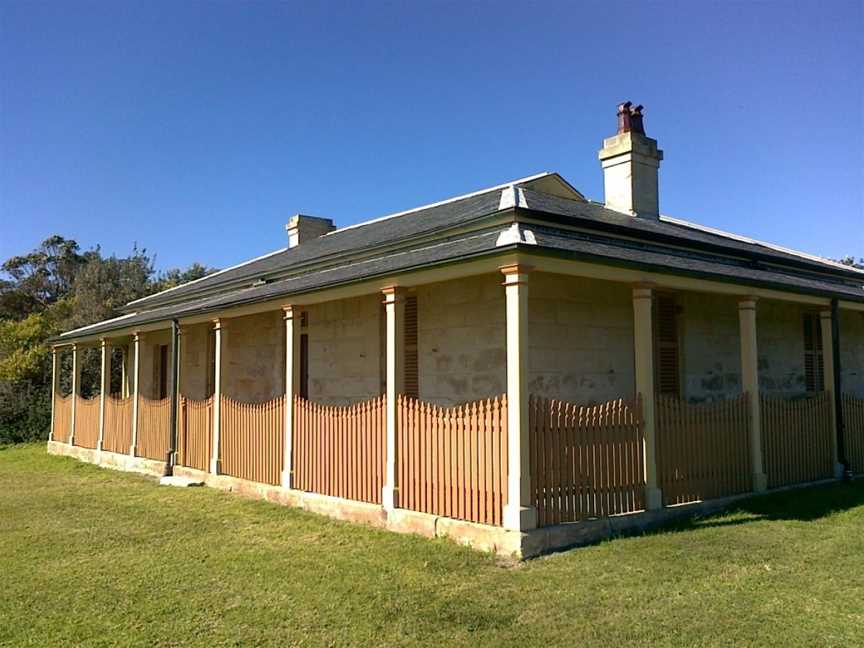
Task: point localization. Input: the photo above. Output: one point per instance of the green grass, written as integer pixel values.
(91, 556)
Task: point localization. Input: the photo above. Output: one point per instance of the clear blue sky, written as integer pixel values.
(196, 129)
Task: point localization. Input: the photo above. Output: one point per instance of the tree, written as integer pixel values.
(39, 278)
(850, 261)
(53, 288)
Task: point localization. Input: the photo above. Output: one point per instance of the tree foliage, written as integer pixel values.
(53, 288)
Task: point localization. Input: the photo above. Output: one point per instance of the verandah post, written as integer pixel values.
(136, 372)
(750, 384)
(76, 379)
(292, 386)
(104, 381)
(218, 342)
(519, 511)
(394, 305)
(643, 348)
(55, 388)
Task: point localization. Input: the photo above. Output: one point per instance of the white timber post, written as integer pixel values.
(218, 348)
(519, 511)
(750, 384)
(76, 380)
(643, 348)
(292, 358)
(394, 305)
(55, 389)
(136, 387)
(830, 387)
(124, 372)
(104, 383)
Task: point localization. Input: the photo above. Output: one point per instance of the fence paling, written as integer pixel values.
(86, 422)
(853, 432)
(452, 461)
(195, 438)
(340, 451)
(118, 425)
(62, 418)
(585, 461)
(797, 439)
(702, 449)
(153, 428)
(251, 439)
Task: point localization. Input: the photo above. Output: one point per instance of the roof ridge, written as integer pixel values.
(503, 185)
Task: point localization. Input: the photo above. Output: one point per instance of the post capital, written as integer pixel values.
(218, 324)
(748, 302)
(644, 290)
(290, 311)
(825, 314)
(393, 294)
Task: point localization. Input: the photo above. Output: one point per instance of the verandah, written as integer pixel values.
(587, 461)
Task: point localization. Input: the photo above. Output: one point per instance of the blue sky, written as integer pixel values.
(197, 128)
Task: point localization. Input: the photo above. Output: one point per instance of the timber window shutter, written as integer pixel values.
(814, 367)
(668, 354)
(412, 380)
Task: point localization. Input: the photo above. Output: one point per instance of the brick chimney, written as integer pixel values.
(630, 162)
(302, 228)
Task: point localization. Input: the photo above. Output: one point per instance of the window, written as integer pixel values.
(814, 367)
(667, 365)
(412, 379)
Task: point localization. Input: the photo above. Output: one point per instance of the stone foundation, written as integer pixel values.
(503, 542)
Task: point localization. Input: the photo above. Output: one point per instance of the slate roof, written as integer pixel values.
(572, 227)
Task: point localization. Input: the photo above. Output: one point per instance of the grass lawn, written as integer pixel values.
(91, 556)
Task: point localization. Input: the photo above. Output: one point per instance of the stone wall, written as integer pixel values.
(253, 362)
(197, 357)
(580, 339)
(148, 354)
(345, 362)
(852, 352)
(780, 339)
(462, 340)
(710, 346)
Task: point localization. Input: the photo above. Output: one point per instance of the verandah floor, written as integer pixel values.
(100, 557)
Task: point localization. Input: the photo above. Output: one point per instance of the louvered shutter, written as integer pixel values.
(667, 364)
(412, 380)
(814, 369)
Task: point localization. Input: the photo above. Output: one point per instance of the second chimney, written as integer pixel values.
(302, 228)
(631, 162)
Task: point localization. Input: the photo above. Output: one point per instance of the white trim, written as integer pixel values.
(213, 274)
(89, 326)
(504, 185)
(746, 239)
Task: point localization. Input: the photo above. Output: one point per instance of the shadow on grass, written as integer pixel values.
(804, 504)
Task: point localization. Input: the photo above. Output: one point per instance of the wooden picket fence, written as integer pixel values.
(86, 422)
(195, 436)
(586, 461)
(154, 419)
(62, 418)
(118, 425)
(251, 439)
(453, 461)
(853, 432)
(796, 436)
(340, 451)
(703, 450)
